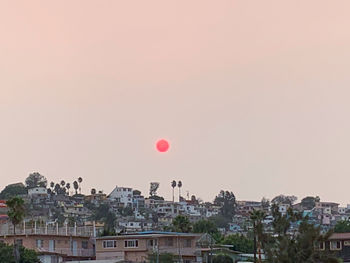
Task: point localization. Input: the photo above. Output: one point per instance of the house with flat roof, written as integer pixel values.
(139, 246)
(53, 248)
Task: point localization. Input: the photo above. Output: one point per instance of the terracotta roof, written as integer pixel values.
(340, 236)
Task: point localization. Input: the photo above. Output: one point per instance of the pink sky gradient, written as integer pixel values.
(253, 95)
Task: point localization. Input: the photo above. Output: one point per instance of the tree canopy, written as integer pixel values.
(36, 180)
(227, 202)
(284, 199)
(205, 226)
(181, 224)
(342, 226)
(26, 255)
(13, 190)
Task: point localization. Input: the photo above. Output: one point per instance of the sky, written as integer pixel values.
(253, 96)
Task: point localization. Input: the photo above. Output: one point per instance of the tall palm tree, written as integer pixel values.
(68, 187)
(80, 180)
(179, 184)
(76, 186)
(257, 217)
(57, 189)
(16, 214)
(173, 185)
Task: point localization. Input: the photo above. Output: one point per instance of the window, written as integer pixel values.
(187, 261)
(187, 243)
(131, 243)
(169, 242)
(84, 244)
(109, 243)
(39, 243)
(335, 245)
(320, 246)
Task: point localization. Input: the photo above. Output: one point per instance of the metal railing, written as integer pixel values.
(86, 231)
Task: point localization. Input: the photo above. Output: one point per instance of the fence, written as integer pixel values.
(48, 229)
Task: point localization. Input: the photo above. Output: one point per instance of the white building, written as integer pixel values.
(122, 195)
(37, 192)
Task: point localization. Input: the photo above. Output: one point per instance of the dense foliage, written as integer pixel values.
(13, 190)
(26, 255)
(342, 226)
(222, 259)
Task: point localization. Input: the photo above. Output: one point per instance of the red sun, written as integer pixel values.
(162, 146)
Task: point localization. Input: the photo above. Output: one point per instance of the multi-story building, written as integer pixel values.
(123, 196)
(53, 248)
(138, 247)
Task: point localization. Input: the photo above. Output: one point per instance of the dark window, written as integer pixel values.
(84, 244)
(187, 243)
(169, 242)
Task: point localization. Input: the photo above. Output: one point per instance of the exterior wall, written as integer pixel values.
(183, 245)
(63, 244)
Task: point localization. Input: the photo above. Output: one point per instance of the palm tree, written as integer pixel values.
(93, 191)
(179, 184)
(257, 216)
(68, 187)
(57, 189)
(173, 185)
(80, 180)
(63, 183)
(76, 186)
(16, 214)
(16, 211)
(52, 185)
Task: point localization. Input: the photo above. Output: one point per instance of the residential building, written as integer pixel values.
(138, 247)
(123, 196)
(52, 248)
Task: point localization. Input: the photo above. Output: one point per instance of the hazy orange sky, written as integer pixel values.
(253, 95)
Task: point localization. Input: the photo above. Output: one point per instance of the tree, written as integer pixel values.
(57, 189)
(93, 191)
(52, 185)
(16, 214)
(27, 255)
(342, 226)
(205, 226)
(68, 187)
(181, 224)
(76, 187)
(222, 258)
(284, 199)
(63, 183)
(80, 180)
(173, 185)
(13, 190)
(153, 188)
(308, 202)
(179, 184)
(239, 242)
(227, 202)
(220, 221)
(16, 211)
(282, 247)
(36, 180)
(257, 217)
